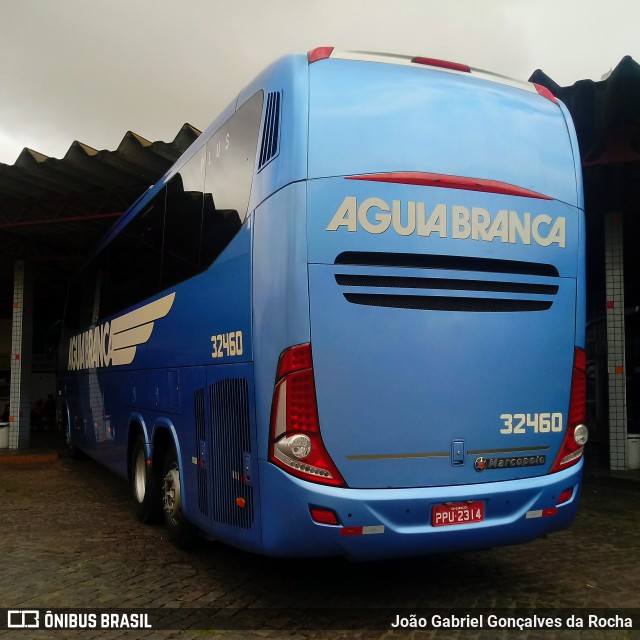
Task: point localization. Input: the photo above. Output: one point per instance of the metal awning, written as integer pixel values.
(53, 211)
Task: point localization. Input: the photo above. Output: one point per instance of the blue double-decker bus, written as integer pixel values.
(349, 320)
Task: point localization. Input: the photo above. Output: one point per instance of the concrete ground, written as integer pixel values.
(69, 539)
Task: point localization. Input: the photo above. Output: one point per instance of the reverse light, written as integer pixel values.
(581, 435)
(296, 445)
(577, 433)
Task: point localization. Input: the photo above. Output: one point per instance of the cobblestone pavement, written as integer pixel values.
(68, 538)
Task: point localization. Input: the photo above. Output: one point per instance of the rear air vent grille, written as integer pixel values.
(233, 496)
(444, 303)
(270, 130)
(467, 294)
(443, 283)
(452, 263)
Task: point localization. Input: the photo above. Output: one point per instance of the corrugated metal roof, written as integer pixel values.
(53, 210)
(136, 161)
(606, 113)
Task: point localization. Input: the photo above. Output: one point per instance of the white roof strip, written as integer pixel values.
(405, 60)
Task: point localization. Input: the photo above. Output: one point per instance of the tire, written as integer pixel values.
(144, 485)
(73, 452)
(181, 532)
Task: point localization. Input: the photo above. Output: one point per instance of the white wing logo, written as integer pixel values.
(115, 343)
(135, 328)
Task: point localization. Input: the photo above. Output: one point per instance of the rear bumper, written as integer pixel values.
(389, 523)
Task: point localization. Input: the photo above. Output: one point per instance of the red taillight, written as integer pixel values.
(422, 179)
(443, 64)
(545, 93)
(294, 359)
(319, 53)
(575, 436)
(295, 441)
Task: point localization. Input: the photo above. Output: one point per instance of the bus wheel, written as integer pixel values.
(74, 452)
(181, 531)
(143, 484)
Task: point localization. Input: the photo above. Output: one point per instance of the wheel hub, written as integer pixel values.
(140, 476)
(171, 495)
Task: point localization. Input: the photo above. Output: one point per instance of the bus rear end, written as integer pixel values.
(438, 404)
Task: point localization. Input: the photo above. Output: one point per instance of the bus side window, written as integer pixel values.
(78, 310)
(230, 162)
(187, 224)
(134, 259)
(183, 222)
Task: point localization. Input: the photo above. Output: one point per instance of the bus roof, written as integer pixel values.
(323, 53)
(372, 113)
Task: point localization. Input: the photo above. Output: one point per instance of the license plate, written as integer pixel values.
(444, 515)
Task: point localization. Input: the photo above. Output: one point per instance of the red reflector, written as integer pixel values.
(549, 512)
(451, 182)
(443, 64)
(545, 93)
(324, 516)
(319, 53)
(565, 496)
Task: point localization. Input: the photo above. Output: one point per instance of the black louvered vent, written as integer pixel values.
(444, 303)
(270, 130)
(230, 442)
(198, 401)
(444, 283)
(454, 264)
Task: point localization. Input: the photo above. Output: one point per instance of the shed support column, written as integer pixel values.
(21, 346)
(616, 342)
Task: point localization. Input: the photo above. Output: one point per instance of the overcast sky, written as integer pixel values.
(90, 70)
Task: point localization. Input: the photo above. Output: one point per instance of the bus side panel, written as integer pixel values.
(214, 303)
(105, 401)
(280, 291)
(218, 451)
(93, 421)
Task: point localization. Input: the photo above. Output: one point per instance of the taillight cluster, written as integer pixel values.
(576, 435)
(295, 442)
